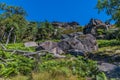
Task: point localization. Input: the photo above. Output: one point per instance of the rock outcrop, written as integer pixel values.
(111, 70)
(75, 45)
(94, 25)
(51, 47)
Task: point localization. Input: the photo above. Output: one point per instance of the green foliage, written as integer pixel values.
(105, 43)
(100, 31)
(118, 36)
(68, 31)
(78, 66)
(111, 34)
(101, 76)
(20, 46)
(112, 8)
(11, 64)
(30, 32)
(46, 31)
(14, 17)
(10, 10)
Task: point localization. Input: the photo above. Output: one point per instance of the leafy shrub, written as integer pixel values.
(78, 66)
(46, 31)
(14, 64)
(20, 46)
(111, 34)
(101, 76)
(118, 36)
(100, 31)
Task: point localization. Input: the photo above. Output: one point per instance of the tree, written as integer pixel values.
(12, 23)
(47, 31)
(30, 32)
(112, 8)
(11, 10)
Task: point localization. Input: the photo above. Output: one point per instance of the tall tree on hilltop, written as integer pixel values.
(14, 25)
(11, 10)
(112, 8)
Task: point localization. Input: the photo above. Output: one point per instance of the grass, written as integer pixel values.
(47, 76)
(59, 69)
(107, 43)
(20, 46)
(110, 50)
(109, 47)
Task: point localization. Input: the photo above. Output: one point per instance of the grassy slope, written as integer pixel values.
(106, 47)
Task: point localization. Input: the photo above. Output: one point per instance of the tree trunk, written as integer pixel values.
(8, 38)
(14, 39)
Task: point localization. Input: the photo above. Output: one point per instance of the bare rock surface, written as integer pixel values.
(30, 44)
(111, 70)
(76, 45)
(94, 25)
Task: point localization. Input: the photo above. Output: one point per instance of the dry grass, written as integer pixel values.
(54, 76)
(110, 50)
(46, 76)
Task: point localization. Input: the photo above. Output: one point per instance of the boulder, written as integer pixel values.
(75, 45)
(106, 67)
(50, 46)
(30, 44)
(79, 44)
(111, 70)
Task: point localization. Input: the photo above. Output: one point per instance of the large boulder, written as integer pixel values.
(83, 43)
(50, 46)
(75, 45)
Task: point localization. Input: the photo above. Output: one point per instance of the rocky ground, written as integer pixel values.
(108, 59)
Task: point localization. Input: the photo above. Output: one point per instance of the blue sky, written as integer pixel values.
(60, 10)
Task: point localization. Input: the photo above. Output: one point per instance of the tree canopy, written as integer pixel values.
(111, 7)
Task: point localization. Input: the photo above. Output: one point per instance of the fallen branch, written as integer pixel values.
(3, 47)
(30, 54)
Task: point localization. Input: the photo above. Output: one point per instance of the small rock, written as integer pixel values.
(106, 67)
(117, 52)
(30, 44)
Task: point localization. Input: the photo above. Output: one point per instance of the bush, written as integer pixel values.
(101, 76)
(78, 66)
(118, 36)
(14, 64)
(100, 31)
